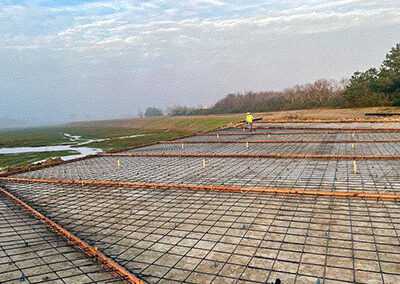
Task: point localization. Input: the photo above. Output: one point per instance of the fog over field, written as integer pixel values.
(66, 60)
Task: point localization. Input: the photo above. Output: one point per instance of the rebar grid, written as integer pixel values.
(255, 156)
(175, 236)
(391, 149)
(289, 132)
(30, 253)
(295, 136)
(298, 128)
(164, 186)
(282, 129)
(338, 125)
(371, 176)
(283, 141)
(199, 237)
(358, 121)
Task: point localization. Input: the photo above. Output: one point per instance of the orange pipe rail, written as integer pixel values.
(294, 132)
(328, 128)
(278, 156)
(81, 245)
(275, 191)
(344, 120)
(283, 141)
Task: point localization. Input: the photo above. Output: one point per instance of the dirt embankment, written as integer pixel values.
(207, 122)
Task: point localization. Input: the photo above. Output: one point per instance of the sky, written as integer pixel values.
(70, 60)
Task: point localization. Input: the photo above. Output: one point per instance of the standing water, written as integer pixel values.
(83, 151)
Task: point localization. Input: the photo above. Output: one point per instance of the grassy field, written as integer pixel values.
(116, 143)
(45, 136)
(156, 129)
(53, 135)
(188, 124)
(204, 123)
(12, 161)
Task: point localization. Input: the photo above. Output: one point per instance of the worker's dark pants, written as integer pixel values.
(250, 126)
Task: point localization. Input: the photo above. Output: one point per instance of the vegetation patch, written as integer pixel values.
(188, 124)
(118, 143)
(12, 161)
(46, 136)
(372, 88)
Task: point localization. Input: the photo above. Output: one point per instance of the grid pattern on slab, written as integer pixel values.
(333, 125)
(174, 236)
(327, 175)
(320, 136)
(275, 148)
(290, 127)
(30, 253)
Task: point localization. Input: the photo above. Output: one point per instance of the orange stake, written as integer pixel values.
(81, 245)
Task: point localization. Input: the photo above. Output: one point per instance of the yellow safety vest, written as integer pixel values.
(249, 118)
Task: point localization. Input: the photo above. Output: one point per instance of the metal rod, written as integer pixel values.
(276, 191)
(301, 132)
(286, 141)
(103, 260)
(279, 156)
(344, 120)
(329, 128)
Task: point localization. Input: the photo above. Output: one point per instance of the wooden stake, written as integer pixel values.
(183, 146)
(352, 145)
(204, 164)
(247, 145)
(355, 166)
(118, 163)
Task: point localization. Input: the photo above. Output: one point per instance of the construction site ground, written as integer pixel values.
(213, 208)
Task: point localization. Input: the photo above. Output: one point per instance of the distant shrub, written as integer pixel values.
(153, 112)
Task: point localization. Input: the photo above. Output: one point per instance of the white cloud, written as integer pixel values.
(212, 2)
(158, 47)
(127, 23)
(118, 29)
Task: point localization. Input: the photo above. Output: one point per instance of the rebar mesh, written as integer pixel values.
(204, 237)
(175, 236)
(30, 253)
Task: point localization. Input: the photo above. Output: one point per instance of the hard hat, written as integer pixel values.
(248, 113)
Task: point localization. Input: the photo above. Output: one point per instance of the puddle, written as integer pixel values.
(105, 139)
(72, 138)
(83, 151)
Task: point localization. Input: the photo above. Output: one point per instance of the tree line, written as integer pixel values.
(373, 87)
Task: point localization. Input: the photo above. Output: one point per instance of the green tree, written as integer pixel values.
(388, 81)
(152, 112)
(359, 92)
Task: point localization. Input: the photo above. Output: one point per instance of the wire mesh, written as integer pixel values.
(328, 175)
(30, 253)
(175, 236)
(204, 237)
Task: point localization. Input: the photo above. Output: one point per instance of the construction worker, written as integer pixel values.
(249, 120)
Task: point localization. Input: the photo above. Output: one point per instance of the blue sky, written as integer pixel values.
(77, 60)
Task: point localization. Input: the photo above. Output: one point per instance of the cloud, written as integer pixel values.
(183, 52)
(161, 18)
